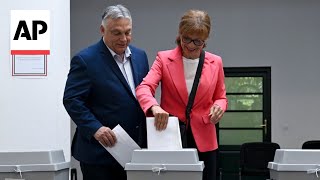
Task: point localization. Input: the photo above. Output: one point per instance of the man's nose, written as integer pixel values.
(123, 37)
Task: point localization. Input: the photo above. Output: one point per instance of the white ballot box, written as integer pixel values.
(36, 165)
(295, 164)
(165, 165)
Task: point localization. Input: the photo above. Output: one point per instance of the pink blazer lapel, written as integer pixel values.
(206, 80)
(177, 75)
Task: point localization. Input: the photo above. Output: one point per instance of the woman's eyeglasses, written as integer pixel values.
(197, 42)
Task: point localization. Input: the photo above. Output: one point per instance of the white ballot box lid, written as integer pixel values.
(175, 160)
(295, 160)
(44, 160)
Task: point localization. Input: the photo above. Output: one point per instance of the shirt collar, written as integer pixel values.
(127, 52)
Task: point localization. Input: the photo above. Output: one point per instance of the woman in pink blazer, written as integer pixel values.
(176, 70)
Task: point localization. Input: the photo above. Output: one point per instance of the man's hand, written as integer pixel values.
(160, 117)
(105, 136)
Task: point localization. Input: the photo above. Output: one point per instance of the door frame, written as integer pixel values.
(230, 153)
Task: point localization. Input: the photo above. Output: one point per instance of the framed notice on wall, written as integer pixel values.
(29, 65)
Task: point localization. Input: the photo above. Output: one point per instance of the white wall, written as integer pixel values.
(283, 34)
(32, 116)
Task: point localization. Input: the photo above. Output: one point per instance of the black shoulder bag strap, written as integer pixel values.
(192, 95)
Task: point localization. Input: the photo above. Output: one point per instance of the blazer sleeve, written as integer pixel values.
(219, 96)
(145, 92)
(75, 96)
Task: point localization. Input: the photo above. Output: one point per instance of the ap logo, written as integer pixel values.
(30, 32)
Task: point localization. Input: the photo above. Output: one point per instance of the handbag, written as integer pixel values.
(184, 127)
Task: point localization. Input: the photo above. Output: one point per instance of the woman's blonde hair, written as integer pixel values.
(194, 22)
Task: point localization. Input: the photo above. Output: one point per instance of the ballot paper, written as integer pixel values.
(168, 139)
(122, 150)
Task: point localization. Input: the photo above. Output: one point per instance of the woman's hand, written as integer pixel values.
(160, 117)
(216, 113)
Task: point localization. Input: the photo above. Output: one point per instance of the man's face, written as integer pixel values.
(117, 34)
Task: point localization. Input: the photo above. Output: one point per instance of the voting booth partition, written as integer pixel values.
(34, 165)
(295, 164)
(164, 165)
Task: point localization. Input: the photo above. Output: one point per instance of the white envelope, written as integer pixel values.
(122, 150)
(168, 139)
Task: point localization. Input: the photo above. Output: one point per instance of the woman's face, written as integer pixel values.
(191, 45)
